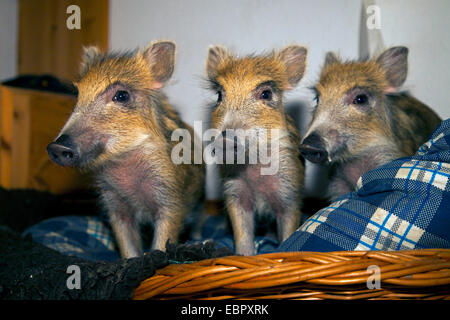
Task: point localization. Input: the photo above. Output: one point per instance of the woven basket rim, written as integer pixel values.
(343, 275)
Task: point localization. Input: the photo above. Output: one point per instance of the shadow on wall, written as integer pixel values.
(316, 176)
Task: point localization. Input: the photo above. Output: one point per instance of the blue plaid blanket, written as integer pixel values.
(404, 204)
(82, 236)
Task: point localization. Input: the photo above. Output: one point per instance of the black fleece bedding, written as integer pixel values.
(29, 270)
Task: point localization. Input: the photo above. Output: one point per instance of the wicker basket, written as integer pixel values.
(344, 275)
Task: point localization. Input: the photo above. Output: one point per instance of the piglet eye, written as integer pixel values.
(266, 95)
(219, 96)
(360, 99)
(121, 96)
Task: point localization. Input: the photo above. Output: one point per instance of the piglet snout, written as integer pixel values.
(63, 151)
(313, 149)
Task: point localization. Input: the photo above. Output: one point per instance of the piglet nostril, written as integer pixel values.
(67, 154)
(318, 156)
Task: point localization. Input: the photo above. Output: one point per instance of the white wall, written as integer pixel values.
(249, 26)
(424, 27)
(8, 38)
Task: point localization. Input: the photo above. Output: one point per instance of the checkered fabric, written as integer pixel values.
(404, 204)
(82, 236)
(218, 229)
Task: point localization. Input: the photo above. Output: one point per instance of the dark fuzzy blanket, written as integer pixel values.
(29, 270)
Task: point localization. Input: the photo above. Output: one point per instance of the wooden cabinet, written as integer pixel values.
(47, 46)
(29, 121)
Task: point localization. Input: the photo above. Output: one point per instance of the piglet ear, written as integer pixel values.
(294, 58)
(331, 58)
(216, 54)
(395, 63)
(89, 55)
(160, 56)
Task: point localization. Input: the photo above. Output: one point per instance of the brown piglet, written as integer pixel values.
(121, 130)
(362, 119)
(250, 100)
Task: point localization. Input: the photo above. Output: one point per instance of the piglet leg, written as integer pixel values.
(288, 222)
(124, 225)
(127, 236)
(167, 227)
(243, 224)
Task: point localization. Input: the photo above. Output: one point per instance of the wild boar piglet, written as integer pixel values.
(121, 130)
(362, 119)
(261, 169)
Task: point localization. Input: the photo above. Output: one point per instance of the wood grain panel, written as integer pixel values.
(31, 119)
(47, 46)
